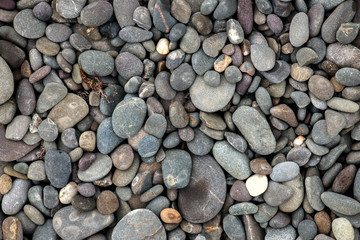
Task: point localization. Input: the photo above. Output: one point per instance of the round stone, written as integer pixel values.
(299, 29)
(256, 184)
(48, 130)
(284, 171)
(342, 229)
(263, 57)
(98, 169)
(151, 226)
(28, 26)
(307, 229)
(210, 99)
(95, 62)
(148, 146)
(182, 77)
(96, 13)
(107, 202)
(128, 65)
(201, 200)
(106, 139)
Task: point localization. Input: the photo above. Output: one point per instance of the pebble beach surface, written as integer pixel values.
(179, 119)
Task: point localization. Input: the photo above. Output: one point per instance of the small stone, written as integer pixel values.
(142, 17)
(212, 78)
(323, 222)
(257, 184)
(239, 192)
(107, 202)
(25, 97)
(98, 169)
(106, 139)
(307, 229)
(275, 23)
(18, 127)
(301, 99)
(201, 144)
(68, 192)
(148, 146)
(28, 26)
(124, 10)
(95, 62)
(170, 215)
(343, 105)
(128, 65)
(69, 9)
(83, 204)
(201, 62)
(260, 166)
(299, 155)
(348, 77)
(306, 56)
(13, 201)
(34, 215)
(12, 228)
(57, 168)
(299, 29)
(181, 10)
(243, 208)
(277, 194)
(213, 45)
(225, 9)
(190, 42)
(347, 32)
(314, 189)
(233, 74)
(162, 18)
(285, 113)
(48, 130)
(263, 57)
(50, 197)
(96, 13)
(344, 179)
(5, 184)
(87, 141)
(300, 73)
(342, 229)
(42, 11)
(182, 77)
(177, 115)
(278, 73)
(133, 34)
(36, 171)
(234, 31)
(340, 203)
(284, 171)
(202, 24)
(222, 62)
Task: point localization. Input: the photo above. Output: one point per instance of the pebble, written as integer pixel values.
(151, 225)
(5, 184)
(343, 105)
(176, 173)
(344, 179)
(299, 29)
(201, 143)
(278, 73)
(243, 208)
(348, 206)
(287, 232)
(323, 222)
(50, 197)
(126, 126)
(7, 81)
(277, 194)
(28, 26)
(57, 168)
(284, 171)
(34, 215)
(348, 77)
(244, 118)
(42, 11)
(13, 201)
(107, 202)
(170, 215)
(225, 9)
(17, 128)
(285, 113)
(97, 170)
(307, 229)
(106, 139)
(128, 65)
(343, 55)
(68, 223)
(234, 162)
(257, 184)
(314, 188)
(95, 62)
(209, 99)
(239, 192)
(263, 57)
(133, 34)
(342, 229)
(201, 200)
(190, 42)
(12, 228)
(96, 13)
(69, 9)
(201, 62)
(123, 178)
(48, 130)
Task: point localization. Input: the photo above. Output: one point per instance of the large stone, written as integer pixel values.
(202, 200)
(6, 81)
(176, 169)
(68, 112)
(95, 62)
(57, 168)
(256, 130)
(70, 223)
(13, 201)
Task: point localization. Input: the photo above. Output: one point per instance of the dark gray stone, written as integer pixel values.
(57, 168)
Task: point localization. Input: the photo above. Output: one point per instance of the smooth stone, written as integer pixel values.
(106, 139)
(264, 6)
(299, 29)
(151, 226)
(176, 173)
(278, 73)
(348, 77)
(50, 197)
(263, 99)
(67, 193)
(182, 77)
(57, 168)
(209, 99)
(36, 171)
(7, 112)
(201, 62)
(57, 32)
(319, 46)
(342, 14)
(6, 81)
(300, 73)
(343, 105)
(13, 201)
(48, 130)
(45, 231)
(212, 78)
(280, 220)
(158, 204)
(18, 127)
(69, 9)
(201, 144)
(316, 15)
(285, 171)
(35, 196)
(95, 62)
(257, 184)
(225, 9)
(121, 178)
(133, 34)
(162, 19)
(275, 23)
(301, 99)
(213, 45)
(12, 54)
(107, 202)
(175, 58)
(177, 32)
(148, 146)
(239, 192)
(347, 32)
(263, 57)
(25, 97)
(343, 55)
(163, 87)
(34, 215)
(342, 229)
(328, 5)
(356, 189)
(69, 223)
(299, 155)
(97, 170)
(314, 188)
(69, 111)
(265, 213)
(124, 10)
(341, 203)
(142, 17)
(234, 162)
(201, 200)
(28, 26)
(233, 227)
(156, 125)
(12, 228)
(284, 113)
(181, 10)
(96, 13)
(190, 42)
(9, 33)
(251, 125)
(236, 141)
(306, 56)
(128, 117)
(128, 65)
(243, 208)
(297, 187)
(277, 194)
(287, 232)
(335, 122)
(122, 157)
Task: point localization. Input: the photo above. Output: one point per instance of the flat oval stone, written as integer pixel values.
(190, 42)
(12, 228)
(70, 223)
(121, 178)
(342, 229)
(13, 201)
(297, 188)
(12, 54)
(263, 57)
(233, 161)
(128, 117)
(182, 77)
(278, 73)
(96, 63)
(69, 9)
(25, 97)
(284, 171)
(256, 130)
(28, 26)
(343, 55)
(97, 170)
(57, 168)
(299, 29)
(201, 144)
(6, 81)
(343, 105)
(210, 99)
(277, 194)
(106, 139)
(201, 62)
(201, 200)
(213, 45)
(133, 34)
(314, 189)
(69, 111)
(341, 203)
(243, 208)
(176, 169)
(57, 32)
(233, 227)
(124, 10)
(288, 233)
(128, 226)
(348, 77)
(128, 65)
(96, 13)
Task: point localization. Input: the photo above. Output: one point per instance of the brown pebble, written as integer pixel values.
(239, 192)
(12, 229)
(222, 62)
(337, 86)
(329, 67)
(25, 69)
(321, 87)
(248, 68)
(285, 113)
(245, 47)
(260, 166)
(39, 74)
(122, 157)
(186, 134)
(9, 170)
(107, 202)
(301, 73)
(287, 48)
(323, 222)
(229, 49)
(344, 179)
(5, 184)
(170, 215)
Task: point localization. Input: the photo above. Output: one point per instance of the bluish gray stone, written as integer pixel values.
(284, 171)
(95, 62)
(13, 201)
(106, 139)
(57, 167)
